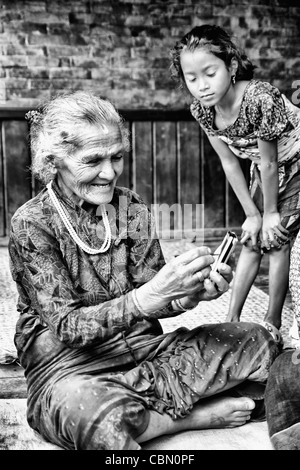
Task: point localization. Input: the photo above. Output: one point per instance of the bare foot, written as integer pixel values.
(273, 330)
(273, 321)
(221, 412)
(211, 413)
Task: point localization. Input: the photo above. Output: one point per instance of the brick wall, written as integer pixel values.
(120, 48)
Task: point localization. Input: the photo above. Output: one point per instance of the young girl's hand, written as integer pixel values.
(251, 228)
(273, 233)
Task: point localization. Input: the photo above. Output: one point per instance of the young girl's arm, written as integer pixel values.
(236, 178)
(270, 185)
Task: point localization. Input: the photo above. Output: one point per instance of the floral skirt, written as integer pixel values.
(82, 405)
(289, 194)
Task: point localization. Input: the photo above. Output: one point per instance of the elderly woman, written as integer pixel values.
(92, 284)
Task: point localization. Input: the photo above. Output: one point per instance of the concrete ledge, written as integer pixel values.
(251, 436)
(17, 435)
(14, 430)
(12, 381)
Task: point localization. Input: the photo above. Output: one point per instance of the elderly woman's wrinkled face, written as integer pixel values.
(91, 172)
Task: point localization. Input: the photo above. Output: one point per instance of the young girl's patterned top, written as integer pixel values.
(265, 114)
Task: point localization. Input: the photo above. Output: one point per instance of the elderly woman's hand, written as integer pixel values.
(216, 284)
(213, 287)
(182, 276)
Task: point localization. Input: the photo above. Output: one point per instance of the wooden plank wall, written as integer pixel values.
(170, 163)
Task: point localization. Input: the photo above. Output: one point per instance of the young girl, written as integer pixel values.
(248, 118)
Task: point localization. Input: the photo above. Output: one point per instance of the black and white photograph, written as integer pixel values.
(149, 227)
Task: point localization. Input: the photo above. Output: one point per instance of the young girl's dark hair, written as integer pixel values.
(215, 40)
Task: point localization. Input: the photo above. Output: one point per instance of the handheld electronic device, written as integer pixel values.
(224, 250)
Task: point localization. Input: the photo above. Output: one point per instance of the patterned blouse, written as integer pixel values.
(83, 299)
(264, 114)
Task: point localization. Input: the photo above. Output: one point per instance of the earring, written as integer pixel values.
(233, 79)
(52, 166)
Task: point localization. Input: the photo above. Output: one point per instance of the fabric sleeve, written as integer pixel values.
(44, 283)
(267, 112)
(203, 116)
